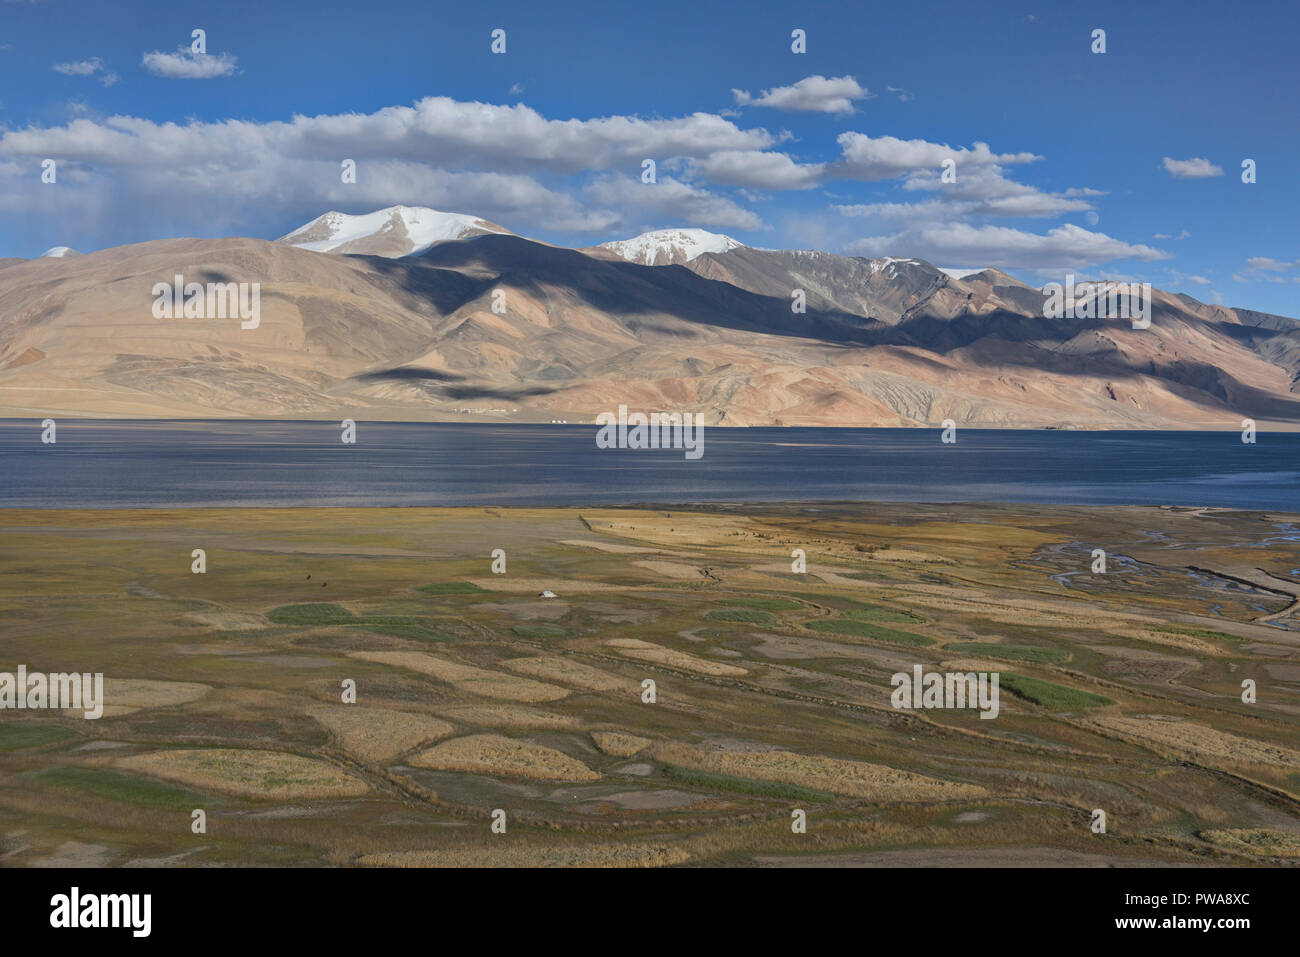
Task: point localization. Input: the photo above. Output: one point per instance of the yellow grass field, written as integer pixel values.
(506, 716)
(379, 734)
(648, 651)
(494, 754)
(253, 774)
(490, 684)
(570, 672)
(530, 855)
(619, 744)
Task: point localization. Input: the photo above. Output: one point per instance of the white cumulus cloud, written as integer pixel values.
(757, 169)
(885, 157)
(1065, 247)
(1268, 264)
(815, 94)
(80, 67)
(1195, 168)
(187, 65)
(669, 202)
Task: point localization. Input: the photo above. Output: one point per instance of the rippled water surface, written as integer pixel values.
(132, 464)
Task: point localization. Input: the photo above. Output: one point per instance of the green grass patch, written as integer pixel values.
(29, 734)
(765, 604)
(1051, 696)
(865, 629)
(1035, 653)
(743, 615)
(126, 788)
(315, 613)
(325, 613)
(878, 613)
(449, 588)
(862, 609)
(400, 627)
(539, 631)
(726, 782)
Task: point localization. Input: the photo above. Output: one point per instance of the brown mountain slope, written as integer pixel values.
(883, 343)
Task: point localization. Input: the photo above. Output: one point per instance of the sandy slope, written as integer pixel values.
(366, 337)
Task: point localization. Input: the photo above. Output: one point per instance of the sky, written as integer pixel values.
(1059, 159)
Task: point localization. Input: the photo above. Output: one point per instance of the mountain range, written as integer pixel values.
(409, 313)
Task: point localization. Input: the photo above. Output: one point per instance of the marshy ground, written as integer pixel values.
(1119, 691)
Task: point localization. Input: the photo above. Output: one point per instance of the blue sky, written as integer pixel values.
(1088, 164)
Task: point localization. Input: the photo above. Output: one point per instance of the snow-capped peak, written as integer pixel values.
(59, 252)
(663, 247)
(393, 232)
(888, 262)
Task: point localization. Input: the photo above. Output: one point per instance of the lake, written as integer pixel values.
(98, 464)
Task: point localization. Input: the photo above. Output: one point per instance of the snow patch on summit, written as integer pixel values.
(422, 226)
(663, 247)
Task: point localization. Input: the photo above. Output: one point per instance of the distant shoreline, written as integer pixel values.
(35, 418)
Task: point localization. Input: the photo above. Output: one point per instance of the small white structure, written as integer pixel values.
(548, 594)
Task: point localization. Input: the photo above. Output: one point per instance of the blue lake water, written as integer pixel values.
(98, 464)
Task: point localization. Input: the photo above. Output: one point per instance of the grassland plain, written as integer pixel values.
(1121, 691)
